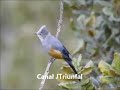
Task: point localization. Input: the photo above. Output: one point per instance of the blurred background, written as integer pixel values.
(90, 28)
(22, 56)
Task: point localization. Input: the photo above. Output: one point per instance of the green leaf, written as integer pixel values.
(107, 69)
(87, 84)
(90, 21)
(107, 79)
(116, 62)
(80, 46)
(113, 72)
(86, 71)
(77, 62)
(89, 64)
(79, 58)
(104, 67)
(80, 22)
(107, 11)
(63, 85)
(116, 6)
(88, 68)
(66, 70)
(73, 85)
(85, 81)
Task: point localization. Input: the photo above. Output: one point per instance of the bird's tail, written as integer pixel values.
(73, 68)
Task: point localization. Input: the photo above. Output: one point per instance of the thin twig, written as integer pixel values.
(60, 19)
(52, 59)
(46, 72)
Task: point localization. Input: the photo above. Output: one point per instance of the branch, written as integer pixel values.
(46, 72)
(52, 59)
(60, 19)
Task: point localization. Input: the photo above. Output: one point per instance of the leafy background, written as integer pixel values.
(90, 31)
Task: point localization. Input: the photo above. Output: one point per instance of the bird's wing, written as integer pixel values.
(57, 45)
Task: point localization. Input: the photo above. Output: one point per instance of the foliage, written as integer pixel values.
(110, 75)
(96, 24)
(85, 83)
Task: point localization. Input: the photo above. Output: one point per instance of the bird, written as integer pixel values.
(54, 47)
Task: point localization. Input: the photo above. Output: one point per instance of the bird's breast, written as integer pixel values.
(55, 53)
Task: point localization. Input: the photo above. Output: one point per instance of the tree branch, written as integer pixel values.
(52, 59)
(46, 72)
(60, 19)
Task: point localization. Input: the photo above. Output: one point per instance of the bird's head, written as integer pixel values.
(42, 32)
